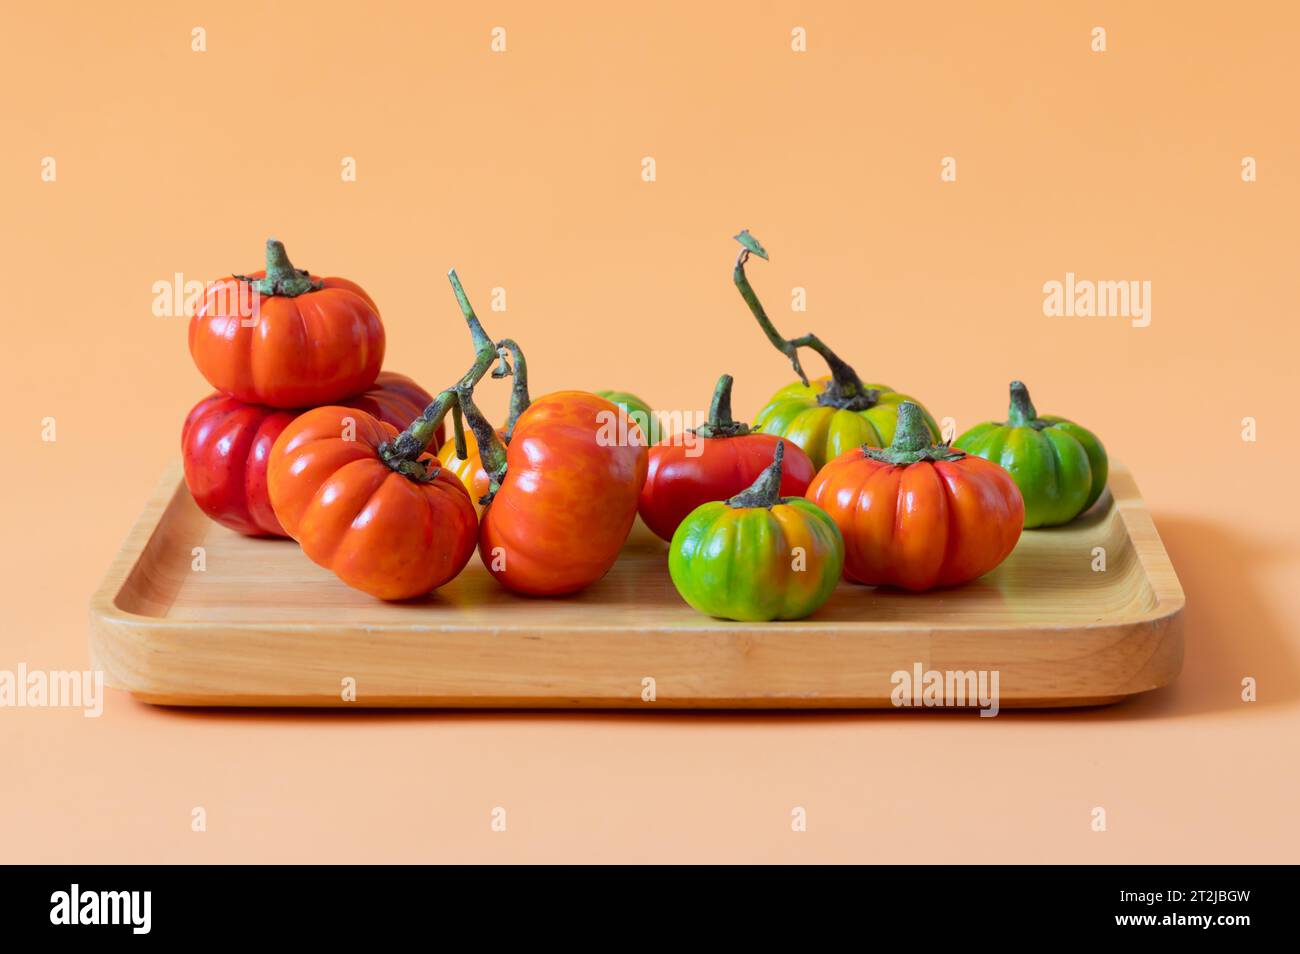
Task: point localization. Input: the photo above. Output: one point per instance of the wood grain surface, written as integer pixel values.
(263, 626)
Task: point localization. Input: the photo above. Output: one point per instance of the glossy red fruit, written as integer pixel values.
(574, 468)
(286, 338)
(724, 458)
(225, 445)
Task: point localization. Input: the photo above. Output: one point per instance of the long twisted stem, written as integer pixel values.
(845, 389)
(519, 398)
(492, 452)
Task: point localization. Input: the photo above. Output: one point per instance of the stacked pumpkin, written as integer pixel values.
(307, 438)
(274, 344)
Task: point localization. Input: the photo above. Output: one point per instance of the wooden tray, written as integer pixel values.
(263, 626)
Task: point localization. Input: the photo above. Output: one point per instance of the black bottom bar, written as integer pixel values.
(135, 903)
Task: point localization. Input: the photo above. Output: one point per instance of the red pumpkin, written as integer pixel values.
(286, 338)
(567, 500)
(725, 459)
(225, 445)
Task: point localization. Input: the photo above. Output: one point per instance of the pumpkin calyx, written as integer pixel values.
(765, 491)
(834, 396)
(846, 390)
(419, 471)
(281, 277)
(1022, 412)
(720, 423)
(912, 443)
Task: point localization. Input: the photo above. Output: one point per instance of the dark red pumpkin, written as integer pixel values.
(726, 458)
(225, 445)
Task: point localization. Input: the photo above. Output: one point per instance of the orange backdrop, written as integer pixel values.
(523, 169)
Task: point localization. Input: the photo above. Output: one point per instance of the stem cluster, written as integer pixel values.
(403, 452)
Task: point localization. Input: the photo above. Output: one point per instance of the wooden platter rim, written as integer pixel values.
(1152, 662)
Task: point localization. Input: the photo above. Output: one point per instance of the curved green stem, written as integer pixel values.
(519, 399)
(912, 441)
(845, 390)
(765, 491)
(419, 434)
(281, 277)
(1022, 412)
(720, 423)
(492, 452)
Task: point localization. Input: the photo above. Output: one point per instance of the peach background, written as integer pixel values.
(523, 170)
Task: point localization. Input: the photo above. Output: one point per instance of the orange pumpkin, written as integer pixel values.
(395, 535)
(726, 459)
(286, 338)
(918, 515)
(567, 499)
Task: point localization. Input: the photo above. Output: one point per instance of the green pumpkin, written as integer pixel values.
(827, 416)
(1060, 467)
(757, 556)
(638, 410)
(824, 431)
